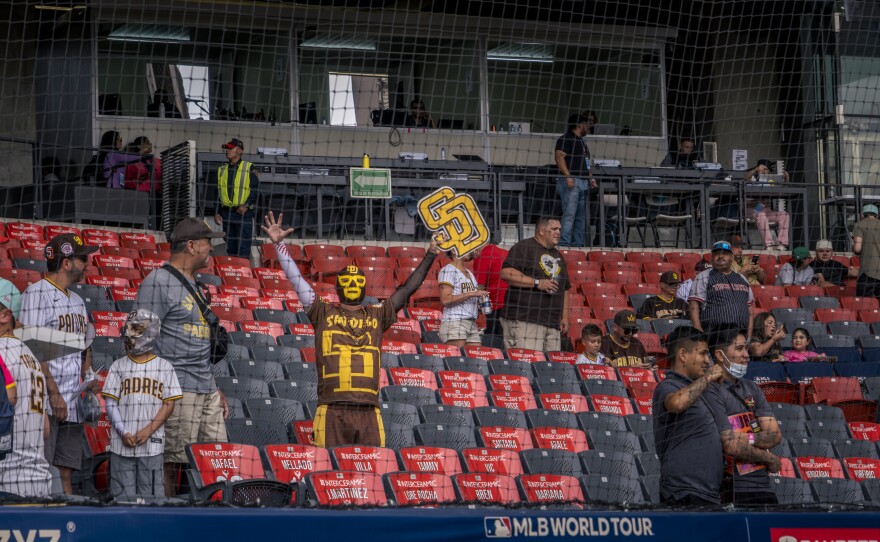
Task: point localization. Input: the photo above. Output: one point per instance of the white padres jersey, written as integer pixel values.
(461, 282)
(140, 388)
(44, 304)
(25, 471)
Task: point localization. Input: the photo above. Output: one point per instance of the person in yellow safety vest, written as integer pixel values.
(237, 187)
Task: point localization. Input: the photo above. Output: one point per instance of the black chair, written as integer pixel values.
(541, 461)
(236, 408)
(834, 341)
(110, 346)
(399, 436)
(250, 340)
(237, 351)
(443, 436)
(792, 315)
(811, 446)
(610, 463)
(283, 411)
(123, 305)
(512, 367)
(541, 417)
(90, 291)
(824, 412)
(297, 341)
(791, 490)
(611, 489)
(793, 429)
(32, 265)
(256, 432)
(614, 441)
(605, 387)
(399, 414)
(788, 411)
(412, 395)
(821, 302)
(242, 388)
(666, 326)
(831, 430)
(648, 463)
(389, 360)
(837, 491)
(504, 417)
(96, 304)
(640, 424)
(447, 415)
(220, 368)
(601, 421)
(300, 371)
(651, 487)
(267, 371)
(552, 369)
(783, 449)
(303, 392)
(872, 490)
(468, 365)
(421, 361)
(285, 318)
(856, 448)
(549, 384)
(208, 279)
(845, 327)
(280, 354)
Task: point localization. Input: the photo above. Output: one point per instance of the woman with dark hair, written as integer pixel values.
(137, 175)
(766, 339)
(112, 159)
(800, 347)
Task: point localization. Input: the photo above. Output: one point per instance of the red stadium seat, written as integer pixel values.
(644, 257)
(25, 230)
(641, 390)
(101, 238)
(359, 251)
(580, 276)
(263, 273)
(111, 318)
(233, 314)
(242, 282)
(121, 272)
(428, 295)
(53, 230)
(523, 354)
(107, 330)
(225, 300)
(504, 382)
(559, 438)
(420, 488)
(302, 431)
(107, 282)
(611, 404)
(770, 303)
(795, 290)
(562, 357)
(289, 463)
(403, 335)
(325, 268)
(505, 438)
(834, 315)
(613, 267)
(607, 312)
(19, 253)
(483, 352)
(463, 398)
(551, 489)
(234, 261)
(622, 277)
(570, 256)
(597, 288)
(239, 291)
(768, 290)
(566, 402)
(397, 347)
(832, 389)
(335, 488)
(860, 303)
(28, 243)
(409, 376)
(408, 251)
(301, 329)
(604, 256)
(319, 251)
(430, 459)
(362, 458)
(440, 350)
(421, 313)
(266, 328)
(644, 405)
(276, 284)
(226, 271)
(865, 431)
(780, 392)
(812, 468)
(104, 260)
(636, 374)
(652, 344)
(146, 265)
(869, 316)
(462, 380)
(270, 303)
(587, 371)
(862, 468)
(491, 460)
(163, 255)
(214, 466)
(486, 489)
(606, 300)
(119, 293)
(511, 399)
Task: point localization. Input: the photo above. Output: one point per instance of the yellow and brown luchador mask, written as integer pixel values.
(351, 285)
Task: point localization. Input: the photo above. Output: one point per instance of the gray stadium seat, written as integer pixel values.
(89, 290)
(285, 318)
(297, 341)
(617, 463)
(444, 436)
(651, 487)
(399, 414)
(421, 361)
(792, 315)
(793, 429)
(273, 408)
(812, 303)
(648, 463)
(541, 461)
(512, 367)
(447, 415)
(220, 368)
(399, 436)
(267, 371)
(856, 448)
(601, 421)
(610, 489)
(280, 354)
(559, 371)
(506, 417)
(242, 388)
(614, 441)
(111, 346)
(824, 412)
(237, 351)
(837, 491)
(300, 371)
(298, 391)
(539, 417)
(791, 490)
(604, 387)
(828, 429)
(468, 365)
(412, 395)
(852, 329)
(236, 408)
(811, 446)
(871, 489)
(640, 423)
(389, 360)
(549, 384)
(787, 411)
(256, 432)
(248, 339)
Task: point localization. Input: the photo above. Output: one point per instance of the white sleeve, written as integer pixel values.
(113, 414)
(32, 313)
(301, 285)
(699, 287)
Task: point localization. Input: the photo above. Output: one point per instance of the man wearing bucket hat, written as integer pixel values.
(52, 304)
(866, 244)
(237, 190)
(25, 471)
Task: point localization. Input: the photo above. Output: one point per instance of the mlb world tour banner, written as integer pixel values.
(149, 524)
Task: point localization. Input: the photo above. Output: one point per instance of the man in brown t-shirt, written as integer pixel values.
(866, 244)
(619, 347)
(348, 342)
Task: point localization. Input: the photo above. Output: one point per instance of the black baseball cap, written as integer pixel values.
(67, 245)
(193, 229)
(234, 142)
(626, 319)
(671, 277)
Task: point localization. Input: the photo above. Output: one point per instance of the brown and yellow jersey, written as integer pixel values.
(348, 344)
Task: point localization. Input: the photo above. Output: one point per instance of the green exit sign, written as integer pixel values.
(370, 182)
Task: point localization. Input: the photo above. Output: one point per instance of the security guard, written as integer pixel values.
(237, 186)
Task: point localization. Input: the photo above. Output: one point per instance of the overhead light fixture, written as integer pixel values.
(49, 7)
(327, 42)
(150, 33)
(522, 52)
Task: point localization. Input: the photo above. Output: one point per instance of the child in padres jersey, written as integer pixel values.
(25, 471)
(140, 391)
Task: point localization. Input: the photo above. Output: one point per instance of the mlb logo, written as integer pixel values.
(497, 527)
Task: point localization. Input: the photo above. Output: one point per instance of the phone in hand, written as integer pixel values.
(755, 259)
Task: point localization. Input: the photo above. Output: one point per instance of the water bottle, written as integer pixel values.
(486, 305)
(443, 153)
(121, 179)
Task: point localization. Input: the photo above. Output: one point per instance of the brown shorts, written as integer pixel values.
(340, 424)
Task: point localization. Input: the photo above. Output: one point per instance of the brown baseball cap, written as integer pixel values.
(192, 229)
(671, 277)
(234, 142)
(67, 245)
(736, 241)
(626, 319)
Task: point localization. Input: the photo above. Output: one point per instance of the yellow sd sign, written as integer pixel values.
(458, 217)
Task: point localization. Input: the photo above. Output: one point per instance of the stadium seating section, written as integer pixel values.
(478, 424)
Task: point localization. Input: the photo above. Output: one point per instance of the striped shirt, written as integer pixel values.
(723, 299)
(461, 282)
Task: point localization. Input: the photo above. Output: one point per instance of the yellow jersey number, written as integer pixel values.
(367, 357)
(38, 393)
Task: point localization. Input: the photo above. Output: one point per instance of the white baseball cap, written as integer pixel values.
(824, 244)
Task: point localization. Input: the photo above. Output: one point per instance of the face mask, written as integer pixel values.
(141, 332)
(350, 285)
(736, 370)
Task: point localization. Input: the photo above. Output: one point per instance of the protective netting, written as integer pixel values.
(648, 132)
